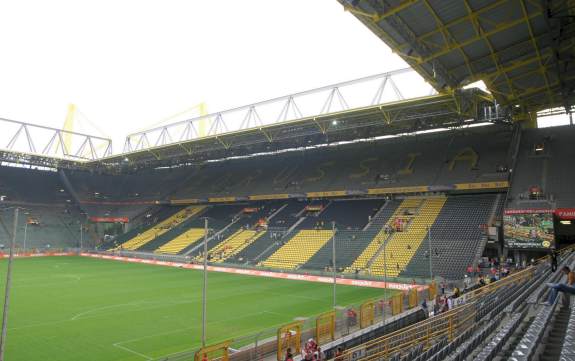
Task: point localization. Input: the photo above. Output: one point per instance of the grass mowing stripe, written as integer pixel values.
(75, 308)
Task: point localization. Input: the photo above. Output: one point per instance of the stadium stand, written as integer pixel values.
(382, 163)
(542, 163)
(350, 244)
(52, 220)
(298, 250)
(181, 241)
(455, 237)
(415, 220)
(234, 244)
(364, 261)
(160, 228)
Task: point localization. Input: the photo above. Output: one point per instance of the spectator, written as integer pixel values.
(425, 308)
(310, 350)
(567, 288)
(553, 260)
(319, 355)
(466, 282)
(444, 304)
(339, 354)
(351, 317)
(437, 305)
(289, 355)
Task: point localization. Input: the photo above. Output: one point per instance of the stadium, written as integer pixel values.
(346, 222)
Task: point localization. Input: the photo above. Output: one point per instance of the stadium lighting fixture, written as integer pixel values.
(61, 190)
(2, 198)
(126, 159)
(334, 122)
(565, 222)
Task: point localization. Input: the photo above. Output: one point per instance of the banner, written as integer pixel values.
(221, 199)
(528, 228)
(393, 190)
(186, 201)
(262, 197)
(258, 273)
(482, 185)
(565, 213)
(326, 194)
(314, 208)
(109, 219)
(527, 211)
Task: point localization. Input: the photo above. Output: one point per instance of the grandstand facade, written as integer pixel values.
(415, 206)
(417, 192)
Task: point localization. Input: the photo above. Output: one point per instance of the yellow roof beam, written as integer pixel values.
(502, 26)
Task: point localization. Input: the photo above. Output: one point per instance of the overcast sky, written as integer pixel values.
(129, 64)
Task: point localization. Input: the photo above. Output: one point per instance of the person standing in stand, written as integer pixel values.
(554, 260)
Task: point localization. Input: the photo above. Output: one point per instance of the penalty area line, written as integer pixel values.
(131, 351)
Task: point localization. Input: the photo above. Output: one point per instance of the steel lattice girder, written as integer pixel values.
(522, 49)
(443, 110)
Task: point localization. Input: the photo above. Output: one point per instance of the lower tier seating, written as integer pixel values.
(298, 250)
(362, 262)
(455, 237)
(402, 245)
(234, 244)
(160, 228)
(181, 242)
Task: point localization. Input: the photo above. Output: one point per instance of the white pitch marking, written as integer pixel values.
(78, 315)
(132, 351)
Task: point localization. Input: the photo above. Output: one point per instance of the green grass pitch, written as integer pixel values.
(74, 308)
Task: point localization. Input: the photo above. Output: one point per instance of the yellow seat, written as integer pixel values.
(234, 244)
(299, 249)
(401, 246)
(182, 241)
(160, 228)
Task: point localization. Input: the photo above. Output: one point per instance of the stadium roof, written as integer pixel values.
(364, 108)
(523, 50)
(405, 116)
(459, 108)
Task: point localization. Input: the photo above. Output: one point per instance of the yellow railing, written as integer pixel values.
(489, 288)
(448, 324)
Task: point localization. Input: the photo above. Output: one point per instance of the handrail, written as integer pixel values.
(447, 324)
(458, 319)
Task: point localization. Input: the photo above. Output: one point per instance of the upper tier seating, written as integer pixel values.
(550, 168)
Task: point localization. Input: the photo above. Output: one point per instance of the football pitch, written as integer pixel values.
(76, 308)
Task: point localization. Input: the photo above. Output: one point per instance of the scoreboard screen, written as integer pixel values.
(528, 228)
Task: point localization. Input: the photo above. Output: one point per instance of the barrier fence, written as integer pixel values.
(218, 351)
(343, 321)
(448, 324)
(324, 328)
